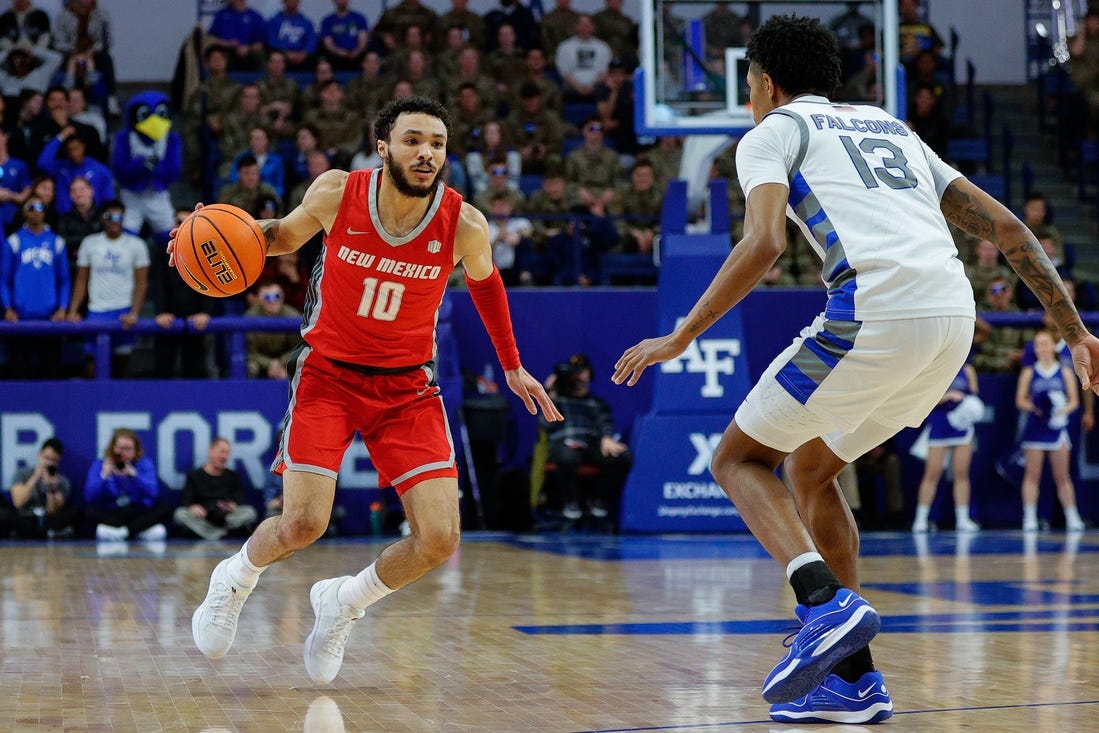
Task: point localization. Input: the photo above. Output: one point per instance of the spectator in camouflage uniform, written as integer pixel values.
(466, 121)
(724, 29)
(468, 22)
(536, 131)
(341, 128)
(469, 72)
(1035, 216)
(424, 82)
(1001, 347)
(507, 61)
(206, 106)
(278, 96)
(237, 124)
(534, 72)
(393, 24)
(323, 72)
(593, 167)
(619, 31)
(499, 183)
(249, 191)
(366, 91)
(665, 158)
(642, 199)
(557, 25)
(396, 63)
(986, 269)
(269, 350)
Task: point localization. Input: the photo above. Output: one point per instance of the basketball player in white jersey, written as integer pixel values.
(896, 329)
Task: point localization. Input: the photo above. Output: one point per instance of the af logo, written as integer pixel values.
(702, 357)
(704, 446)
(434, 246)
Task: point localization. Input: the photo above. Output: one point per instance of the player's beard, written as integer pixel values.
(405, 186)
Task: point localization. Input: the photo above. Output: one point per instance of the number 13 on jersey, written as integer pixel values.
(893, 172)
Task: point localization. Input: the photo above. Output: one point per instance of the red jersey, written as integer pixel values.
(374, 298)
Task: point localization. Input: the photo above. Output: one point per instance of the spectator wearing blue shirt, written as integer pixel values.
(75, 164)
(121, 494)
(293, 34)
(344, 35)
(272, 168)
(15, 184)
(241, 31)
(34, 284)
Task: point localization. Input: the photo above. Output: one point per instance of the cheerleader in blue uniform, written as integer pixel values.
(1047, 391)
(950, 432)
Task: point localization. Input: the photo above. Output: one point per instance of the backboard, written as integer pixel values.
(691, 78)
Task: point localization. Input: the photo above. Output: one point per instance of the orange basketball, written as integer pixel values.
(220, 250)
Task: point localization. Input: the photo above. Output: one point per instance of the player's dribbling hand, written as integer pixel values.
(171, 248)
(636, 359)
(531, 391)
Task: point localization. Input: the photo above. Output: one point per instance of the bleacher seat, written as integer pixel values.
(576, 112)
(530, 183)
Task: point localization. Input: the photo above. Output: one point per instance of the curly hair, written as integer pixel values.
(798, 53)
(388, 115)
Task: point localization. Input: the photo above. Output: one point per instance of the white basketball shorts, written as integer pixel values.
(855, 384)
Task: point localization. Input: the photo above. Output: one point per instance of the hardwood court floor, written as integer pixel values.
(995, 632)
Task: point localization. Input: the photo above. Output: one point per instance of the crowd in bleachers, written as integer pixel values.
(542, 140)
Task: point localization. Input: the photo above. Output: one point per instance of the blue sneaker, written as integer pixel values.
(838, 701)
(829, 633)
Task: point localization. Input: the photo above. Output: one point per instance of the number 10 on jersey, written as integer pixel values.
(381, 300)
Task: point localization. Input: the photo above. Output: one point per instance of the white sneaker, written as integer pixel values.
(214, 624)
(967, 525)
(1075, 527)
(1030, 526)
(919, 527)
(107, 533)
(572, 512)
(324, 645)
(156, 533)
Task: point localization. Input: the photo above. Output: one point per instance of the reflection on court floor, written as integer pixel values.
(995, 631)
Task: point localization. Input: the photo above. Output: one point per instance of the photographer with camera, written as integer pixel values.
(40, 505)
(122, 495)
(587, 436)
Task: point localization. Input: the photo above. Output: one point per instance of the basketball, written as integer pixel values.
(220, 250)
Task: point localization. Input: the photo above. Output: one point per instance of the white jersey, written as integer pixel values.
(111, 264)
(865, 190)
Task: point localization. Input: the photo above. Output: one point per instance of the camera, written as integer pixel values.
(119, 465)
(564, 378)
(51, 470)
(529, 129)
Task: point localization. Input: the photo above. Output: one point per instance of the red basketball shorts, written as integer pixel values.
(400, 417)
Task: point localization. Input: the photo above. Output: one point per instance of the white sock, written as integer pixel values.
(1030, 514)
(242, 571)
(922, 513)
(363, 590)
(1072, 516)
(801, 561)
(961, 513)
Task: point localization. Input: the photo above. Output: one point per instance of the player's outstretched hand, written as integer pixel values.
(1085, 362)
(172, 241)
(531, 391)
(637, 358)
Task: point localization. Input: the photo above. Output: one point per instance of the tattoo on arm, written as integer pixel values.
(705, 317)
(1023, 253)
(269, 227)
(968, 215)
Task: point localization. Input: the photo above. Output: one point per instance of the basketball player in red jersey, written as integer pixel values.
(393, 235)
